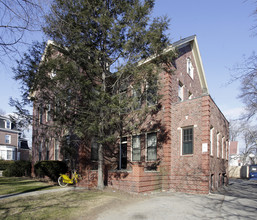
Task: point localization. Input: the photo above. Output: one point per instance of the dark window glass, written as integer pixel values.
(188, 141)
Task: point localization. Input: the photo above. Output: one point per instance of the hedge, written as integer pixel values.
(5, 163)
(51, 169)
(18, 168)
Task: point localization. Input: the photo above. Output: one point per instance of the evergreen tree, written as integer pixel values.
(96, 72)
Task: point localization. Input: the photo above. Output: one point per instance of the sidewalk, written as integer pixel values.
(34, 193)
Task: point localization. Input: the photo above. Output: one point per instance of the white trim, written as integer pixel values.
(10, 124)
(211, 141)
(222, 147)
(132, 147)
(146, 146)
(181, 140)
(218, 145)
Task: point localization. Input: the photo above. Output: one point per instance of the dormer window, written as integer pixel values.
(8, 124)
(190, 68)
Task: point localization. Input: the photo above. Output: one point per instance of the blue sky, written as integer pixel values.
(224, 37)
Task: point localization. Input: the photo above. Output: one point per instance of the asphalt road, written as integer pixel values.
(237, 201)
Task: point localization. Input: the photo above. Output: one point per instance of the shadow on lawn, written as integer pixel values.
(25, 191)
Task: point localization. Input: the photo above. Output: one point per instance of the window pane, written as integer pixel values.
(7, 139)
(151, 146)
(136, 148)
(187, 141)
(9, 155)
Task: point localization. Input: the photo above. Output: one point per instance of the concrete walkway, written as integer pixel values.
(34, 193)
(238, 201)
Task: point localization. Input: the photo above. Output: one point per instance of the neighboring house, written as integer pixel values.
(234, 156)
(183, 147)
(12, 146)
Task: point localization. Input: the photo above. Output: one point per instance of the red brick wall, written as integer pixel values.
(191, 173)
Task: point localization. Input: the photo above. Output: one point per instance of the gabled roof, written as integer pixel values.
(191, 40)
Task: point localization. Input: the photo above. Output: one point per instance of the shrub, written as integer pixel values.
(5, 163)
(18, 168)
(51, 169)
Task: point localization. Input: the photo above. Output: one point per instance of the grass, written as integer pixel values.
(9, 185)
(71, 204)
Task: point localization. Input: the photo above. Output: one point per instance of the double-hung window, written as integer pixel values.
(187, 141)
(151, 146)
(8, 124)
(136, 151)
(7, 139)
(9, 155)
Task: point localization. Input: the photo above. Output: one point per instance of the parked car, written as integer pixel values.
(253, 172)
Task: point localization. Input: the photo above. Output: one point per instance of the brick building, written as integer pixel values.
(182, 147)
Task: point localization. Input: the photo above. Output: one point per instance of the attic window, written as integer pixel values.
(190, 68)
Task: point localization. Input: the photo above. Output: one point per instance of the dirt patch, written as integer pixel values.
(116, 198)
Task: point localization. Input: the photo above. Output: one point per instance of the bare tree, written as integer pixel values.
(247, 74)
(234, 130)
(16, 18)
(249, 134)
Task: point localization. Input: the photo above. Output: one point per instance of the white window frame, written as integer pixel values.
(211, 141)
(190, 68)
(180, 91)
(132, 148)
(146, 144)
(218, 145)
(226, 150)
(8, 139)
(222, 148)
(8, 152)
(8, 122)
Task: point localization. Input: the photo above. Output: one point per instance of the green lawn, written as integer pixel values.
(10, 185)
(72, 204)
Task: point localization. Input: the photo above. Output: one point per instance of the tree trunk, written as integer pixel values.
(100, 181)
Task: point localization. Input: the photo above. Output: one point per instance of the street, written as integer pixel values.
(237, 201)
